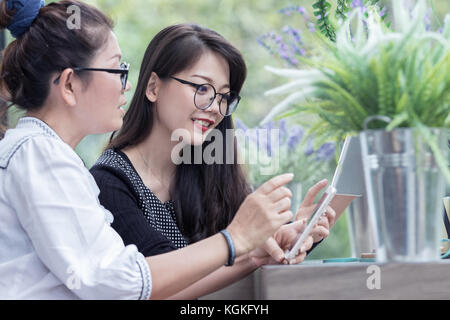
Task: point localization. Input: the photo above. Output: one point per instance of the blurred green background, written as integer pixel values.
(241, 22)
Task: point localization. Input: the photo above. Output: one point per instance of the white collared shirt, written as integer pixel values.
(56, 241)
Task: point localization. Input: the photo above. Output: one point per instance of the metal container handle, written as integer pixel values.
(375, 117)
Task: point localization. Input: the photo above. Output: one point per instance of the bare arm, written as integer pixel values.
(218, 279)
(271, 253)
(176, 270)
(260, 215)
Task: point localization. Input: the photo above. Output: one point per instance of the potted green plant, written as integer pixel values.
(390, 85)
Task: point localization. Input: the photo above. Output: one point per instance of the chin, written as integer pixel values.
(196, 143)
(118, 124)
(197, 139)
(113, 126)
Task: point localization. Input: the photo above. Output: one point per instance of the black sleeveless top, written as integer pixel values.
(140, 217)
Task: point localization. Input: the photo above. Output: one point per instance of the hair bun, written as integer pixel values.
(25, 11)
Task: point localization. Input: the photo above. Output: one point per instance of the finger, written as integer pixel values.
(298, 259)
(331, 215)
(323, 221)
(312, 193)
(283, 205)
(285, 217)
(300, 225)
(307, 244)
(305, 213)
(301, 254)
(280, 193)
(291, 232)
(274, 250)
(319, 233)
(275, 183)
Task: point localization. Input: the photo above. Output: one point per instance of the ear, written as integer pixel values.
(67, 87)
(153, 86)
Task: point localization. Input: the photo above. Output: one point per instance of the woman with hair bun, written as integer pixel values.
(56, 241)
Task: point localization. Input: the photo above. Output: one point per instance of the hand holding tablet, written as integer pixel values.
(319, 211)
(340, 202)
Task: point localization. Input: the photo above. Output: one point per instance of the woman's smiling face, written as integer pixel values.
(174, 104)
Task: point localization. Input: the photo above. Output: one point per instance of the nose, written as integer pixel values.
(128, 86)
(215, 106)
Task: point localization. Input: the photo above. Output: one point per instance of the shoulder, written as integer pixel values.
(37, 148)
(113, 161)
(109, 158)
(108, 166)
(49, 168)
(28, 143)
(112, 170)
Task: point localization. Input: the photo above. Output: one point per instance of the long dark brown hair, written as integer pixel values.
(206, 196)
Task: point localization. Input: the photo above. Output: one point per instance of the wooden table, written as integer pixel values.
(349, 280)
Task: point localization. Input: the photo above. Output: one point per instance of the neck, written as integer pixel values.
(155, 151)
(64, 127)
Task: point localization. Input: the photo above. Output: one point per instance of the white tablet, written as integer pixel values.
(319, 210)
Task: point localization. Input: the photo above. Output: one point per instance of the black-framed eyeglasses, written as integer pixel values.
(123, 71)
(205, 94)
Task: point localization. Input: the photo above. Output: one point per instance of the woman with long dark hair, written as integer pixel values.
(56, 241)
(188, 87)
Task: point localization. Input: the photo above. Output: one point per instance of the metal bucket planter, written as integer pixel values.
(404, 192)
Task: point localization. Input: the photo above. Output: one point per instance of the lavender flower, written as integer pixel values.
(357, 4)
(264, 138)
(295, 137)
(289, 47)
(427, 19)
(325, 152)
(309, 147)
(261, 41)
(239, 124)
(283, 130)
(291, 153)
(285, 49)
(294, 34)
(292, 9)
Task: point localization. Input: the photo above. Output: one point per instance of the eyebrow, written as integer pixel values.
(209, 80)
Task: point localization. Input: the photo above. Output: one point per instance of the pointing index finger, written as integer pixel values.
(312, 193)
(276, 182)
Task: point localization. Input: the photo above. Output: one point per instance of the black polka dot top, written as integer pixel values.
(123, 192)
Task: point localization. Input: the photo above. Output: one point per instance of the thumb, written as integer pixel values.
(300, 225)
(286, 216)
(274, 250)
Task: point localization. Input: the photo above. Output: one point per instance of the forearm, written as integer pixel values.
(259, 216)
(218, 279)
(176, 270)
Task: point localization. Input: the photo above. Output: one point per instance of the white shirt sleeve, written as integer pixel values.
(57, 204)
